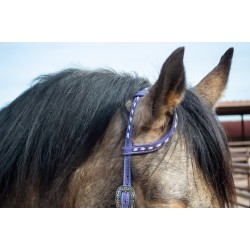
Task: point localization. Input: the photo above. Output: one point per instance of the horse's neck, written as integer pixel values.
(95, 182)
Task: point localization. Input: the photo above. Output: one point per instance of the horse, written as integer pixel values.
(62, 140)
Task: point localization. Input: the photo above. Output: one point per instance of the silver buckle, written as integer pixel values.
(125, 189)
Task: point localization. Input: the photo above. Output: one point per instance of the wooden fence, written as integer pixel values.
(240, 152)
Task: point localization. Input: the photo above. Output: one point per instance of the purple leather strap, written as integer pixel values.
(149, 148)
(125, 195)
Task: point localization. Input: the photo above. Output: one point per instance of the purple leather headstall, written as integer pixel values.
(125, 194)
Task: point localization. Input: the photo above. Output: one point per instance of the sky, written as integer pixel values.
(20, 63)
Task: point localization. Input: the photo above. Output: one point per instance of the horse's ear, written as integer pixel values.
(211, 87)
(166, 93)
(168, 90)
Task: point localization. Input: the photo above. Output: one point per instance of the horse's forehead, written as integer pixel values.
(170, 162)
(170, 178)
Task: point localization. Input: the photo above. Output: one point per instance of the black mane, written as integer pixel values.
(207, 142)
(50, 129)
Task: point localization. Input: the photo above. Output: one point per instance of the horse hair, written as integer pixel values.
(50, 130)
(207, 142)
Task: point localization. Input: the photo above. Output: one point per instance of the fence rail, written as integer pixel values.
(240, 152)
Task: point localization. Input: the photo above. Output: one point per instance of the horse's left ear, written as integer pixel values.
(211, 87)
(164, 95)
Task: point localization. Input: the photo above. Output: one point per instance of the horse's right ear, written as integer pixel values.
(165, 94)
(212, 86)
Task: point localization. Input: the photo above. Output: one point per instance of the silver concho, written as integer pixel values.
(125, 189)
